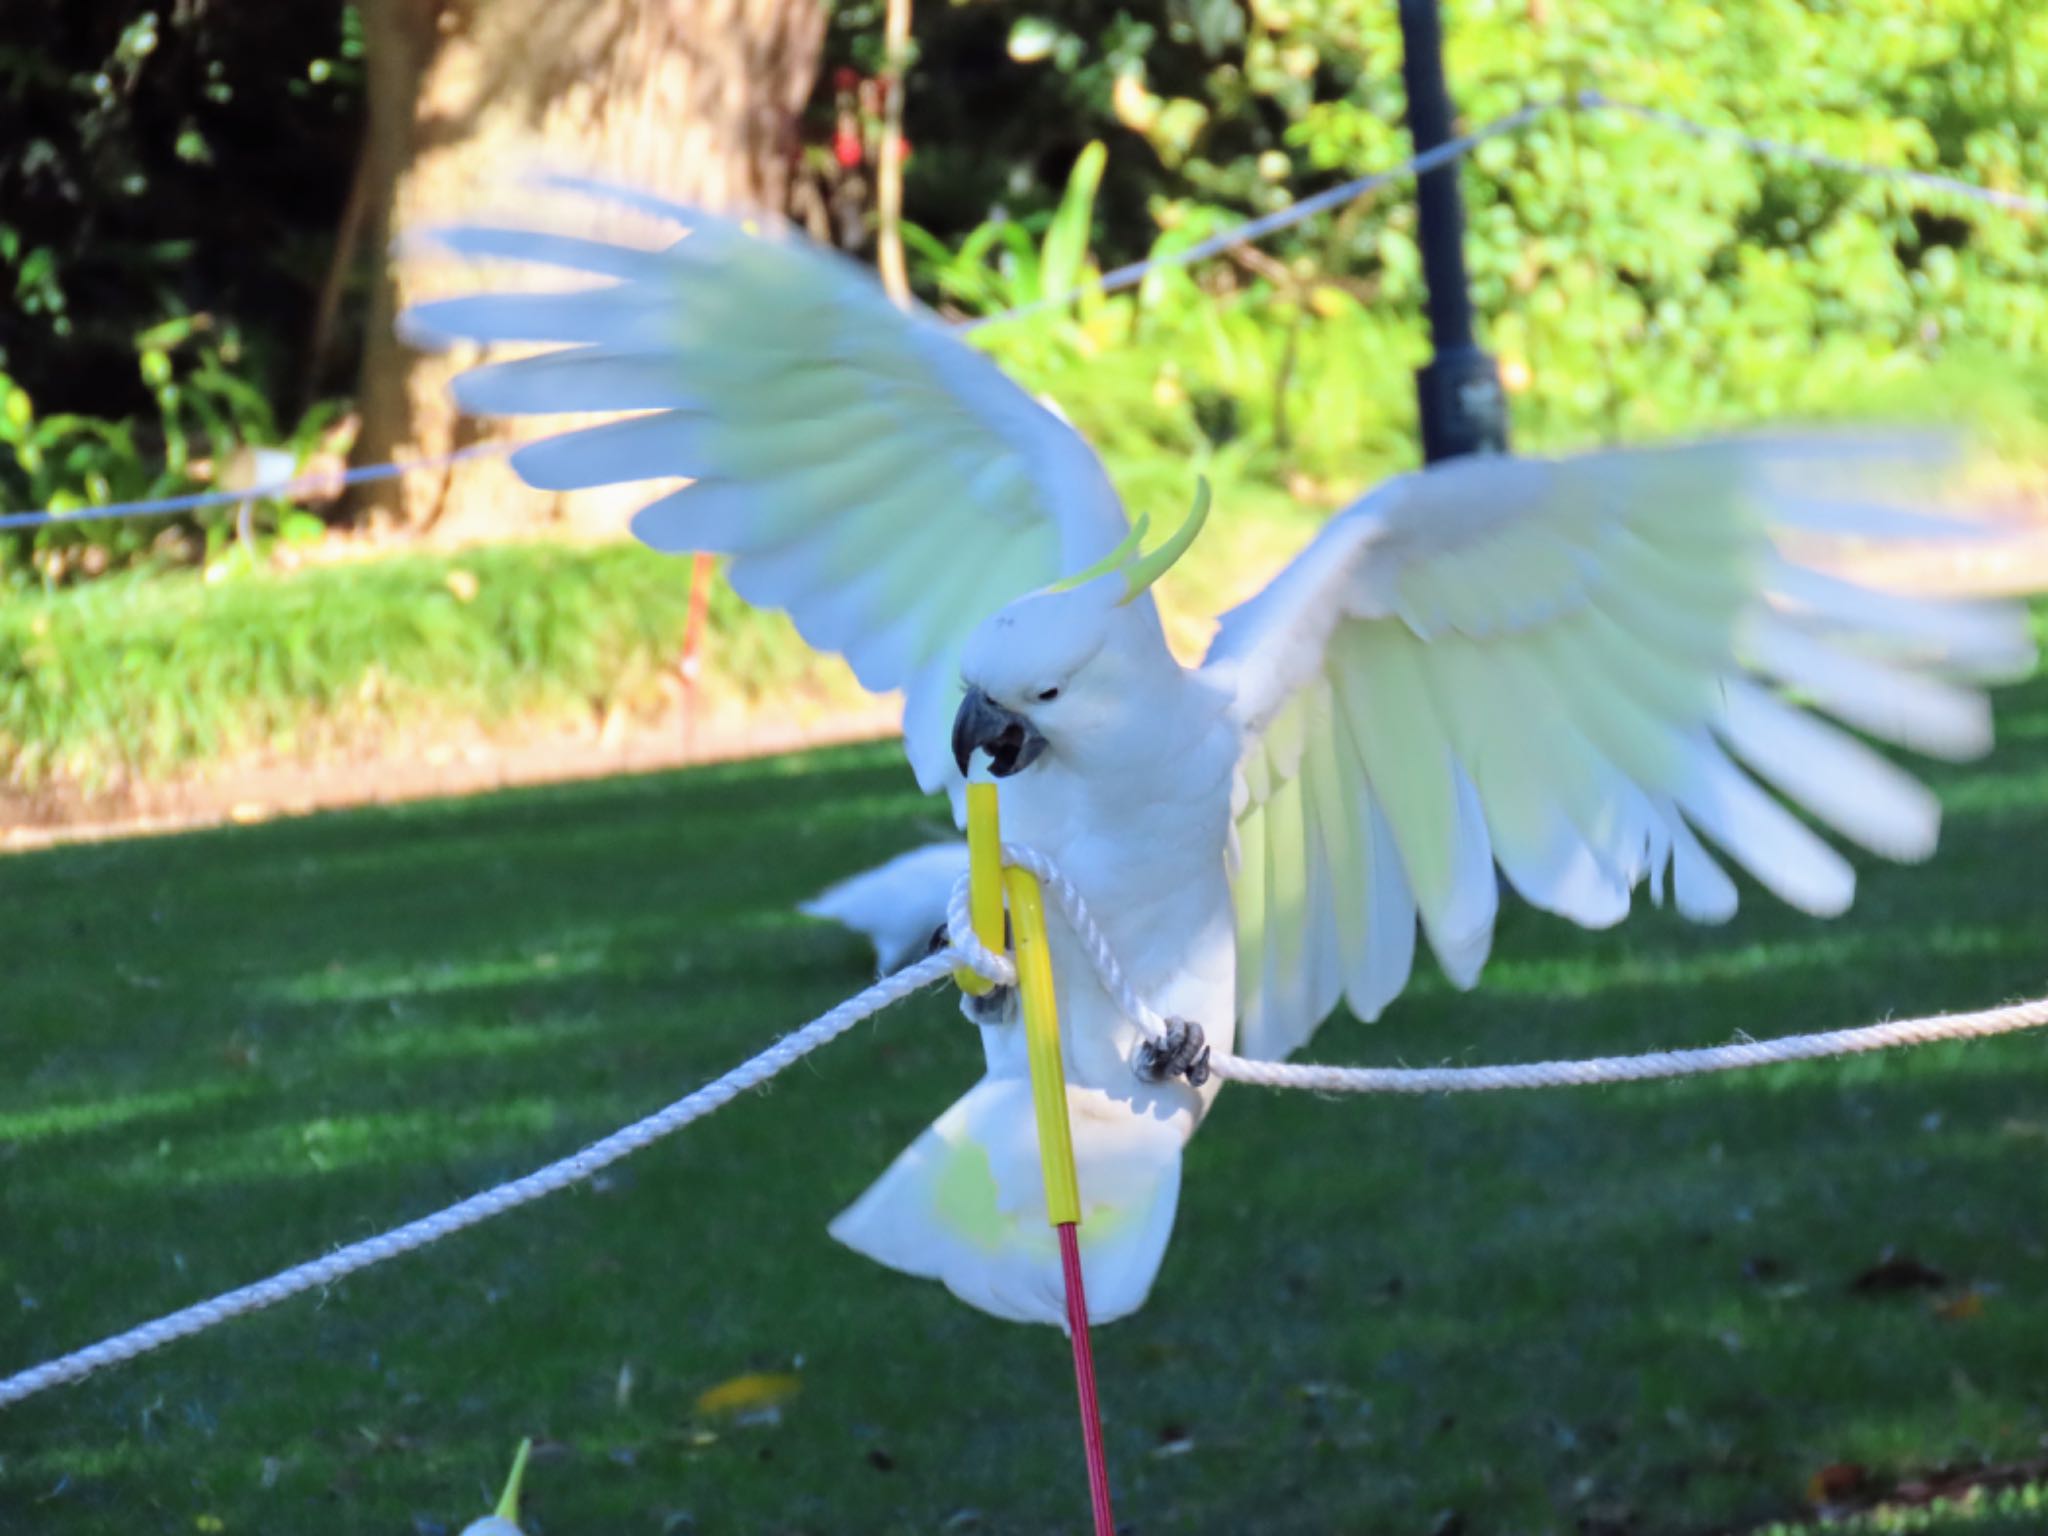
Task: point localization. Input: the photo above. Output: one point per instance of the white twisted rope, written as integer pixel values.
(578, 1166)
(964, 948)
(1633, 1069)
(1533, 1074)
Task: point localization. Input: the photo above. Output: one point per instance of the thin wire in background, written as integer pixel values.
(1133, 273)
(281, 490)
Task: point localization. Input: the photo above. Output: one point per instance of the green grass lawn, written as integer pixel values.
(144, 674)
(1623, 1310)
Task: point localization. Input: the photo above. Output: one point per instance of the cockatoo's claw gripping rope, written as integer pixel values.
(1534, 1074)
(966, 950)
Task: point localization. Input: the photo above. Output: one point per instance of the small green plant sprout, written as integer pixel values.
(504, 1520)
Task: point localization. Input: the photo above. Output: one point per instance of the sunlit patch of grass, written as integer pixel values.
(108, 1113)
(463, 1042)
(145, 674)
(1618, 1309)
(1989, 791)
(1586, 974)
(343, 985)
(330, 1143)
(2001, 1512)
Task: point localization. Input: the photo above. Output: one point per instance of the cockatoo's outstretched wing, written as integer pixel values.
(1580, 669)
(867, 471)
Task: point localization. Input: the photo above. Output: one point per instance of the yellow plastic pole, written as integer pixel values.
(987, 883)
(1042, 1037)
(984, 880)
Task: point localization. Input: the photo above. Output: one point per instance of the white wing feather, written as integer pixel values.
(867, 471)
(1577, 670)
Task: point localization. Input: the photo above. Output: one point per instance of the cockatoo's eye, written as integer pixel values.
(1047, 695)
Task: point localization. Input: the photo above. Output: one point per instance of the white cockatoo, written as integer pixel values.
(1586, 671)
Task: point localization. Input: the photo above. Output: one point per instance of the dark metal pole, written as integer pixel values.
(1463, 409)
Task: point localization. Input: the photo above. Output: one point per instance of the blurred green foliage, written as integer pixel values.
(170, 184)
(165, 160)
(191, 163)
(1634, 282)
(1987, 1511)
(209, 417)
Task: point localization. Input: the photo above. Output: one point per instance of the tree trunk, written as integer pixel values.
(889, 173)
(693, 99)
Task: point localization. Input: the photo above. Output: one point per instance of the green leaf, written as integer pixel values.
(300, 528)
(1033, 39)
(1066, 240)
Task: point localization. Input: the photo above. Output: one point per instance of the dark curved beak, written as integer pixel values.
(1011, 742)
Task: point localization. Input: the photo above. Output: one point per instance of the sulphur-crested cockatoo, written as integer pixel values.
(1587, 671)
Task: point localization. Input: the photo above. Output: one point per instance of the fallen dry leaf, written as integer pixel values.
(1836, 1482)
(1960, 1307)
(750, 1393)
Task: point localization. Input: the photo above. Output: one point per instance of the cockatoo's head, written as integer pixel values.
(1059, 667)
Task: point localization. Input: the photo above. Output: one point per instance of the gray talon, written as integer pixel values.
(993, 1007)
(1183, 1053)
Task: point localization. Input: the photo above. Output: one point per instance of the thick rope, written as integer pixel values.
(573, 1169)
(1534, 1074)
(964, 948)
(1633, 1069)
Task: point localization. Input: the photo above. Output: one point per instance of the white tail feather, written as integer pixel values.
(965, 1205)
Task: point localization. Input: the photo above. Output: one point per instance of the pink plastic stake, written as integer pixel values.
(1084, 1381)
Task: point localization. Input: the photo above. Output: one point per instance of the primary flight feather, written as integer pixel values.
(1592, 673)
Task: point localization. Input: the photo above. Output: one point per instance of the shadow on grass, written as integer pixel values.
(1623, 1309)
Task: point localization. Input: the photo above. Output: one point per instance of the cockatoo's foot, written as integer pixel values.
(998, 1005)
(1183, 1053)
